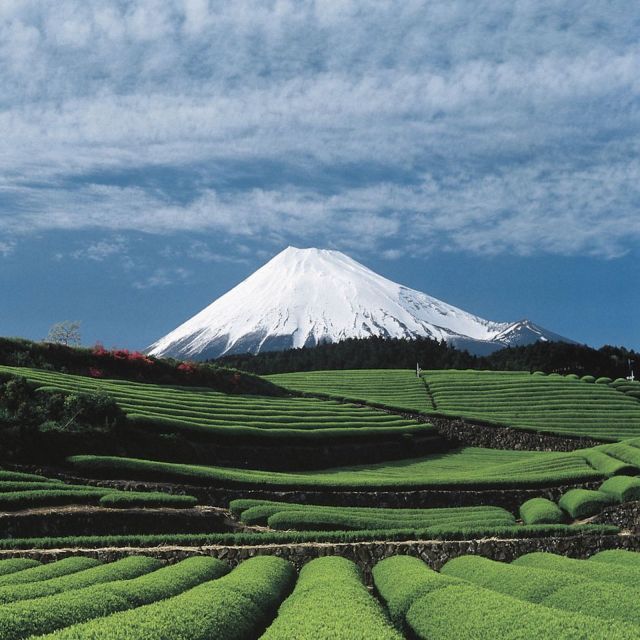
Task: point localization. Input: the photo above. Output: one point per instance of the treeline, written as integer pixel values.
(381, 353)
(98, 362)
(38, 425)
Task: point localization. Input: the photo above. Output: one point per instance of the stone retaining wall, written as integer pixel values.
(498, 437)
(435, 553)
(510, 499)
(626, 516)
(79, 521)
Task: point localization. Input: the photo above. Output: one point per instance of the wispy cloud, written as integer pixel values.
(162, 277)
(6, 248)
(100, 250)
(469, 126)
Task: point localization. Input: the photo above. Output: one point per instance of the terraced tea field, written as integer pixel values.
(388, 387)
(545, 403)
(463, 468)
(512, 501)
(539, 595)
(554, 404)
(209, 412)
(32, 491)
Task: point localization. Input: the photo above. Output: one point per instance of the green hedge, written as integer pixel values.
(599, 571)
(234, 607)
(319, 521)
(536, 403)
(603, 380)
(23, 477)
(47, 571)
(621, 488)
(292, 537)
(17, 564)
(301, 517)
(524, 583)
(128, 499)
(125, 569)
(567, 591)
(44, 615)
(401, 580)
(619, 557)
(468, 611)
(541, 511)
(14, 501)
(330, 601)
(469, 467)
(607, 464)
(582, 503)
(13, 486)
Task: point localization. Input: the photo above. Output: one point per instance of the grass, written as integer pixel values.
(16, 495)
(203, 411)
(17, 564)
(124, 569)
(582, 503)
(330, 601)
(468, 611)
(618, 557)
(541, 511)
(401, 580)
(129, 499)
(236, 606)
(601, 572)
(44, 615)
(48, 571)
(305, 517)
(563, 405)
(466, 468)
(554, 404)
(397, 388)
(445, 532)
(566, 591)
(468, 599)
(621, 488)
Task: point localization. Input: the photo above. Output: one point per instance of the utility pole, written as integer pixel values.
(418, 370)
(631, 376)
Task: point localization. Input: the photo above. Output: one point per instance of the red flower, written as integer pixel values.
(99, 350)
(96, 373)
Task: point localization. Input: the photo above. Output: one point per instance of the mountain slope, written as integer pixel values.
(303, 297)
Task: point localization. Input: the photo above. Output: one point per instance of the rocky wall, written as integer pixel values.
(510, 499)
(498, 437)
(79, 521)
(435, 553)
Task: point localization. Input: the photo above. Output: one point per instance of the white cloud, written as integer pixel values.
(493, 127)
(6, 248)
(100, 250)
(162, 277)
(530, 209)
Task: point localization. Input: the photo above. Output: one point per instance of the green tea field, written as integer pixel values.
(557, 404)
(458, 542)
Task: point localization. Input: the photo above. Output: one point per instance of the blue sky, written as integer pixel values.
(154, 153)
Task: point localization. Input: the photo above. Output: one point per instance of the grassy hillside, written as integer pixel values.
(466, 468)
(546, 403)
(199, 410)
(390, 387)
(556, 404)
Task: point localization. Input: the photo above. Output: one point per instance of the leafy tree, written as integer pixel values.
(66, 333)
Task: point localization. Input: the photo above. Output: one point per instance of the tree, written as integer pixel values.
(67, 333)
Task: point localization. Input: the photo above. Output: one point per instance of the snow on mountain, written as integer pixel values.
(303, 297)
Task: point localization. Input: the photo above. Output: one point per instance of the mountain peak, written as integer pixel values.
(303, 297)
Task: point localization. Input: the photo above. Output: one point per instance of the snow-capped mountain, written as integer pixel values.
(303, 297)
